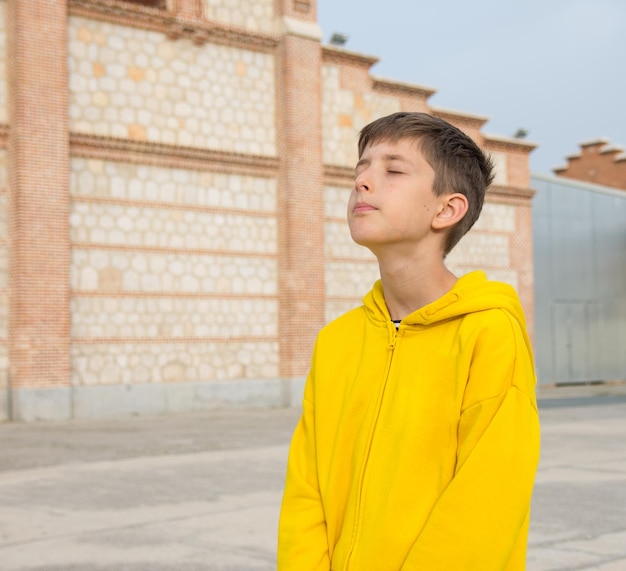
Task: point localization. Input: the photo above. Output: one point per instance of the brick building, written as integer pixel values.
(174, 179)
(598, 162)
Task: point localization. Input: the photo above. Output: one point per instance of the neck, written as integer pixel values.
(411, 284)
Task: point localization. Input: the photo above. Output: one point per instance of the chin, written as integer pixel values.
(362, 239)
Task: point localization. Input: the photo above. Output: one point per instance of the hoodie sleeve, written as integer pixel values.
(302, 537)
(481, 519)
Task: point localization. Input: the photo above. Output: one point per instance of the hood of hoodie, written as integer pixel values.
(471, 293)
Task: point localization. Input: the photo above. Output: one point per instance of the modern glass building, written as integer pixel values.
(579, 234)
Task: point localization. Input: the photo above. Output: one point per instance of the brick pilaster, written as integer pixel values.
(39, 194)
(522, 262)
(300, 188)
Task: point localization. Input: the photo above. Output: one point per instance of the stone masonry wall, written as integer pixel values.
(488, 245)
(138, 84)
(198, 160)
(344, 113)
(165, 257)
(254, 15)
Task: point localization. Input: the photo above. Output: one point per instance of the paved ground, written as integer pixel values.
(202, 491)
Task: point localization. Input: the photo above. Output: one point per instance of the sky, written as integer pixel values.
(556, 68)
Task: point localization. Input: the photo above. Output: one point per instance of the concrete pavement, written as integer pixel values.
(202, 491)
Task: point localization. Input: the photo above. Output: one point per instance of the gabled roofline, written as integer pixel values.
(512, 141)
(403, 86)
(597, 141)
(330, 53)
(460, 114)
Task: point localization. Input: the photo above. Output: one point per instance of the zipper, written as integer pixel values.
(393, 337)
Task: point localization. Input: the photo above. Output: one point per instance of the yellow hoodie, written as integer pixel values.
(417, 448)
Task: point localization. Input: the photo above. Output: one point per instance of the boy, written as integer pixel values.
(419, 437)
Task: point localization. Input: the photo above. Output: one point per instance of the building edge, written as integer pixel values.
(30, 404)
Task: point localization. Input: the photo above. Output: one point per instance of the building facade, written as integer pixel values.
(174, 177)
(580, 281)
(597, 162)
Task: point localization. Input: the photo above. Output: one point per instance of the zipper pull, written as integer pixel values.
(393, 335)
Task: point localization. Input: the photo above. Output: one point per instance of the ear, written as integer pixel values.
(452, 208)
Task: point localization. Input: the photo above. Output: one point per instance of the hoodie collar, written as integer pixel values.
(471, 293)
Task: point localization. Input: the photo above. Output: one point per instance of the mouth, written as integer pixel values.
(361, 207)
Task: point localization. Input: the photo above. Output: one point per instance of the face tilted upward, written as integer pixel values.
(392, 202)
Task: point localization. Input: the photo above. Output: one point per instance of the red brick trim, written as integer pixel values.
(171, 295)
(188, 9)
(398, 87)
(172, 206)
(454, 117)
(173, 340)
(159, 154)
(496, 143)
(343, 57)
(119, 12)
(338, 176)
(300, 202)
(198, 30)
(509, 195)
(166, 250)
(4, 136)
(38, 173)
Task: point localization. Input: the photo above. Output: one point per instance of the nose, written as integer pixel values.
(362, 181)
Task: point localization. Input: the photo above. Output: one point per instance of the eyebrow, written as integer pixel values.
(395, 158)
(387, 158)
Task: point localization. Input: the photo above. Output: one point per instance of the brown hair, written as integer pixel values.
(459, 164)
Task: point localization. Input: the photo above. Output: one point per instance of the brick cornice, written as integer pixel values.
(170, 340)
(169, 294)
(173, 250)
(335, 175)
(4, 136)
(336, 55)
(510, 194)
(493, 142)
(469, 119)
(159, 154)
(119, 11)
(107, 200)
(388, 85)
(198, 30)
